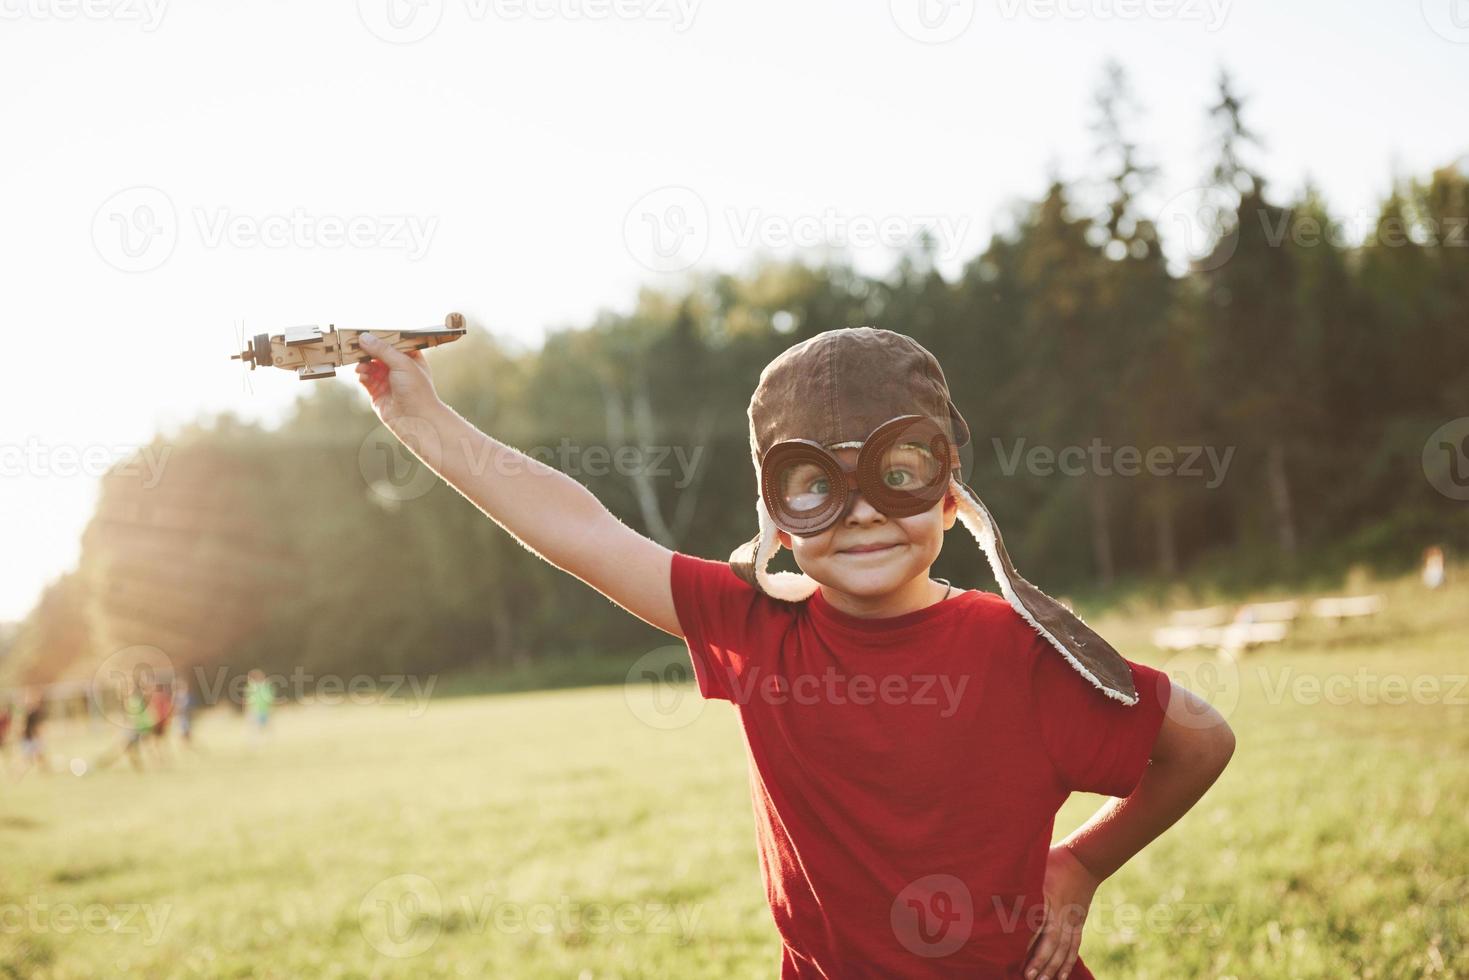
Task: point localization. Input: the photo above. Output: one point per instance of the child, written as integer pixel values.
(183, 709)
(909, 743)
(6, 714)
(259, 700)
(32, 744)
(138, 723)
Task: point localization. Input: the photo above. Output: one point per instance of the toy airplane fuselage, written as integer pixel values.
(313, 354)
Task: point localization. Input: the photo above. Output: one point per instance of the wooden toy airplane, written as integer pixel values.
(313, 354)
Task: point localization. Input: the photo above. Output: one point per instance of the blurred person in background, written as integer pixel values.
(32, 744)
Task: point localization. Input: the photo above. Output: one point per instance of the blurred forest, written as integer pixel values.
(1320, 359)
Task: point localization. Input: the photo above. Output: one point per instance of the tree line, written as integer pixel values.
(1258, 409)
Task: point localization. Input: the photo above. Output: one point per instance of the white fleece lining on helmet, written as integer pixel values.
(798, 586)
(790, 586)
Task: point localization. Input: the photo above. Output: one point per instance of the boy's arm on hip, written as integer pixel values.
(552, 516)
(1193, 746)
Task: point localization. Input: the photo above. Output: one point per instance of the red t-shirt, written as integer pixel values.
(906, 771)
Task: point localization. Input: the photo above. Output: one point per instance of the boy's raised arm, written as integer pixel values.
(547, 511)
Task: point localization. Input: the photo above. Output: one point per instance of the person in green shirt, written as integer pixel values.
(259, 700)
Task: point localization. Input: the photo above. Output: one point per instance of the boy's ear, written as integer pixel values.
(784, 540)
(951, 508)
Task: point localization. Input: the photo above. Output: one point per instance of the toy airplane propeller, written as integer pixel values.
(313, 354)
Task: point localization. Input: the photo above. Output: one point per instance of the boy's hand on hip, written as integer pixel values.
(399, 384)
(1068, 888)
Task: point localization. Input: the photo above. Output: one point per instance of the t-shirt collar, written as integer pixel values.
(826, 612)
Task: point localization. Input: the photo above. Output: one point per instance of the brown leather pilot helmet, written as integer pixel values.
(837, 389)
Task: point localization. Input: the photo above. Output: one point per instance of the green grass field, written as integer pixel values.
(558, 834)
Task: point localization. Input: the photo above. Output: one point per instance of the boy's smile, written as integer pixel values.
(872, 565)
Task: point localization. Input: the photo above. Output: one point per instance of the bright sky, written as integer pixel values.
(171, 169)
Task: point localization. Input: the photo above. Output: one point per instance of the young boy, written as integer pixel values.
(909, 743)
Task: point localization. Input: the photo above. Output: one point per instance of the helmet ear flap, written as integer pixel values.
(750, 559)
(1089, 654)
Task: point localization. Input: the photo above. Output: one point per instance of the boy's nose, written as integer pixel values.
(859, 511)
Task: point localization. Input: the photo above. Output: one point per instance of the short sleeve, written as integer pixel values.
(1097, 744)
(720, 615)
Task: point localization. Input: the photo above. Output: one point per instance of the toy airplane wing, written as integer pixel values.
(313, 353)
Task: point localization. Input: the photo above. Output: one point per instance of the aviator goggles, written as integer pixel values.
(902, 469)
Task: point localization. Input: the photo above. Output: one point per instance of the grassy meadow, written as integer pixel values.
(561, 834)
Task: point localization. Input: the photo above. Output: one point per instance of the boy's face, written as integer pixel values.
(912, 545)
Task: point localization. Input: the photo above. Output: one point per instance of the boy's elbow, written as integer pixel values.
(1223, 748)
